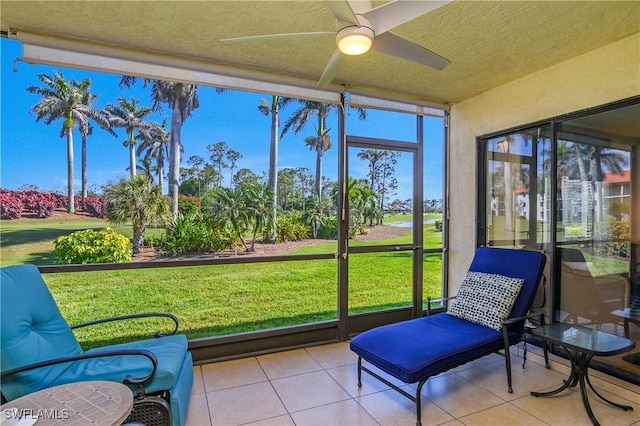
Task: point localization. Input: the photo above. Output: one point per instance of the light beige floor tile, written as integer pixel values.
(503, 414)
(339, 413)
(198, 381)
(334, 355)
(244, 404)
(238, 392)
(458, 423)
(392, 408)
(599, 406)
(458, 396)
(607, 383)
(562, 409)
(347, 377)
(275, 421)
(493, 377)
(198, 412)
(308, 390)
(228, 374)
(289, 363)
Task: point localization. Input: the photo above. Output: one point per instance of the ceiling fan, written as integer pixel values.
(360, 27)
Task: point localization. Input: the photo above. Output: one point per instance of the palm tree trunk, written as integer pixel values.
(319, 153)
(174, 157)
(132, 155)
(508, 198)
(71, 208)
(160, 168)
(84, 172)
(138, 237)
(273, 174)
(586, 199)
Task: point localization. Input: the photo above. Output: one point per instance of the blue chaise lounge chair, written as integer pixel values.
(488, 315)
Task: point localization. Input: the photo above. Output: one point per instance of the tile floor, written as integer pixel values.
(318, 386)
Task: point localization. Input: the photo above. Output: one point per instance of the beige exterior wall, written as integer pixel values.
(604, 75)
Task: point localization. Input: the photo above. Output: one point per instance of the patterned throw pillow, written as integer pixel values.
(486, 299)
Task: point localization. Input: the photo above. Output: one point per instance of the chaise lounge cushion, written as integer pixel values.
(486, 299)
(437, 348)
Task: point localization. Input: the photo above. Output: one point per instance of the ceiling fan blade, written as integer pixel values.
(264, 37)
(342, 11)
(360, 7)
(394, 45)
(332, 68)
(389, 15)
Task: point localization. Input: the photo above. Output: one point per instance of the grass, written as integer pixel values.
(219, 299)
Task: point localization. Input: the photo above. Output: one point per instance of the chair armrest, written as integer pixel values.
(134, 316)
(441, 299)
(128, 379)
(616, 285)
(531, 315)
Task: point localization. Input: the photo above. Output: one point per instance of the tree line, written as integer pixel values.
(151, 145)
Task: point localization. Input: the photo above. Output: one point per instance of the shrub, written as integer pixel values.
(188, 204)
(89, 246)
(620, 232)
(95, 208)
(574, 232)
(329, 228)
(438, 224)
(195, 234)
(291, 226)
(10, 206)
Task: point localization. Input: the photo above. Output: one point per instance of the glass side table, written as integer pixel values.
(582, 344)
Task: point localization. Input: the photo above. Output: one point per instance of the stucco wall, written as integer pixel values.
(604, 75)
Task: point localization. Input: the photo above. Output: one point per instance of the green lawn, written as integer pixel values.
(219, 299)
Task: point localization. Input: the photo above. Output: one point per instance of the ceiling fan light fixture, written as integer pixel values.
(355, 40)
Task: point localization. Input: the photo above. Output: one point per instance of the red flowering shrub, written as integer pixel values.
(40, 203)
(10, 206)
(94, 207)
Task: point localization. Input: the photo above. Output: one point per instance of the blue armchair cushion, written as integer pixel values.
(436, 348)
(31, 335)
(170, 351)
(486, 299)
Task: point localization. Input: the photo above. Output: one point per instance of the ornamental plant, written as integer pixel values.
(90, 246)
(10, 206)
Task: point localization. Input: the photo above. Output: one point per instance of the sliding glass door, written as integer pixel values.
(570, 188)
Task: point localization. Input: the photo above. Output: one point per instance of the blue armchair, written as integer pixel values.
(39, 350)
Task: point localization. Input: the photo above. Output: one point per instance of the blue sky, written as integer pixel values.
(34, 153)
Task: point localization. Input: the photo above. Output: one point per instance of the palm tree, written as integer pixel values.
(504, 146)
(258, 202)
(273, 109)
(88, 98)
(131, 116)
(182, 99)
(321, 141)
(71, 102)
(230, 205)
(156, 149)
(136, 200)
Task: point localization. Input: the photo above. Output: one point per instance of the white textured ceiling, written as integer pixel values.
(488, 42)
